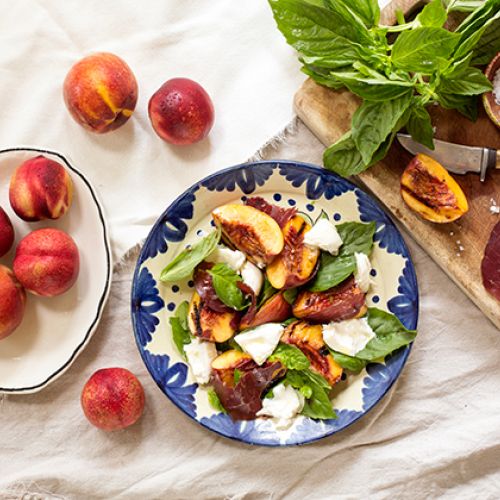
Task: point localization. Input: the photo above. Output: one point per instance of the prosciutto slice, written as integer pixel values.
(490, 266)
(280, 215)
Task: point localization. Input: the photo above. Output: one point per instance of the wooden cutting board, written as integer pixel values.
(457, 247)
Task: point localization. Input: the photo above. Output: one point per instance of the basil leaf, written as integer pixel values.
(374, 87)
(343, 157)
(419, 126)
(356, 237)
(180, 336)
(181, 314)
(314, 30)
(471, 82)
(290, 295)
(462, 5)
(183, 265)
(353, 26)
(424, 49)
(390, 335)
(488, 45)
(467, 105)
(214, 401)
(321, 76)
(225, 282)
(433, 14)
(318, 404)
(229, 345)
(332, 271)
(290, 356)
(289, 321)
(236, 375)
(350, 363)
(373, 122)
(367, 10)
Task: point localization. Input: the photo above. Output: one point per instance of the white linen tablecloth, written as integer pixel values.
(436, 434)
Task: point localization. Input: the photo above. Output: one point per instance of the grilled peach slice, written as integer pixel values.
(273, 310)
(253, 232)
(209, 324)
(296, 263)
(341, 302)
(242, 399)
(309, 339)
(428, 189)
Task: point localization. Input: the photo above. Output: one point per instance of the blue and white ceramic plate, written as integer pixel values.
(311, 189)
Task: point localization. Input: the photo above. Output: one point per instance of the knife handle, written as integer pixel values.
(497, 160)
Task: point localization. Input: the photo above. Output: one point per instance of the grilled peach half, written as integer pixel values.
(253, 232)
(242, 399)
(309, 339)
(209, 324)
(273, 310)
(428, 189)
(344, 301)
(296, 264)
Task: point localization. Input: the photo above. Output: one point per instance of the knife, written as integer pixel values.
(456, 158)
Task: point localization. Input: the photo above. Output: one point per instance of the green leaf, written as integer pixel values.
(433, 14)
(467, 105)
(237, 375)
(390, 335)
(180, 336)
(356, 237)
(183, 265)
(343, 157)
(214, 401)
(367, 10)
(290, 356)
(471, 82)
(353, 26)
(181, 314)
(317, 31)
(318, 404)
(228, 345)
(322, 76)
(488, 44)
(419, 126)
(463, 5)
(350, 363)
(374, 121)
(225, 282)
(424, 49)
(289, 321)
(374, 87)
(290, 295)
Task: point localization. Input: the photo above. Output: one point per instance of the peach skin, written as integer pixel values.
(100, 92)
(40, 189)
(12, 302)
(6, 233)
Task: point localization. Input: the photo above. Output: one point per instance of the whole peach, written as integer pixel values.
(112, 399)
(6, 233)
(47, 262)
(181, 112)
(100, 92)
(40, 189)
(12, 302)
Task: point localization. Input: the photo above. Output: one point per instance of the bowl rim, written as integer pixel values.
(107, 285)
(314, 169)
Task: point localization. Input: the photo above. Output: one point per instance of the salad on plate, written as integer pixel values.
(279, 315)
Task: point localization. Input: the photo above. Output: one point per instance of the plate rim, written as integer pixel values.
(242, 166)
(107, 286)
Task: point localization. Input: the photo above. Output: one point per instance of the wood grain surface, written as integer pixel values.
(457, 247)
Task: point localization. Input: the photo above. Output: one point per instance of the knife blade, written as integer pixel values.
(456, 158)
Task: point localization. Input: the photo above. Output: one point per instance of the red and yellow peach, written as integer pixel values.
(12, 302)
(100, 92)
(112, 399)
(40, 189)
(47, 262)
(6, 233)
(181, 112)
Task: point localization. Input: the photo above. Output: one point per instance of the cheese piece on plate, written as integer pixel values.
(283, 406)
(223, 255)
(323, 235)
(348, 337)
(200, 355)
(252, 276)
(362, 275)
(260, 341)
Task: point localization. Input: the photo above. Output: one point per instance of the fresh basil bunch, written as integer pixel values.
(341, 44)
